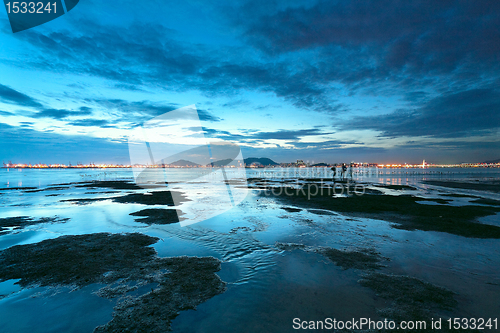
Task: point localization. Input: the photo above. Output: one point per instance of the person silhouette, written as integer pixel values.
(344, 169)
(334, 170)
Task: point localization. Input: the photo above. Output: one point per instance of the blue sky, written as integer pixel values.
(333, 81)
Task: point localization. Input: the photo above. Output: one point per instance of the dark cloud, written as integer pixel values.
(415, 96)
(128, 87)
(360, 44)
(428, 35)
(141, 52)
(91, 122)
(287, 135)
(461, 114)
(17, 98)
(255, 136)
(12, 96)
(235, 103)
(376, 47)
(138, 107)
(328, 144)
(26, 124)
(456, 145)
(452, 115)
(225, 135)
(160, 60)
(145, 110)
(62, 113)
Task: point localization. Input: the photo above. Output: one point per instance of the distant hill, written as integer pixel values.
(262, 160)
(183, 163)
(319, 165)
(495, 161)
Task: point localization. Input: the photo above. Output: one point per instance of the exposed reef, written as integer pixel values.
(158, 216)
(124, 262)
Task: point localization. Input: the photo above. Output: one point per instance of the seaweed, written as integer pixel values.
(358, 259)
(117, 260)
(364, 259)
(158, 216)
(404, 211)
(410, 299)
(21, 222)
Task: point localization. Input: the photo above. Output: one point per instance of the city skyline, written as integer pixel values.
(244, 163)
(375, 81)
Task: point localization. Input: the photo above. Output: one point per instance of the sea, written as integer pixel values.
(267, 287)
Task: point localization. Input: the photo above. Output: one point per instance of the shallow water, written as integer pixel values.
(267, 287)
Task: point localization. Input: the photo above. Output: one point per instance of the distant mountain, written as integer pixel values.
(262, 160)
(319, 165)
(183, 163)
(221, 162)
(495, 161)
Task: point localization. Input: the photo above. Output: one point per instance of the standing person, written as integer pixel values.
(344, 169)
(334, 170)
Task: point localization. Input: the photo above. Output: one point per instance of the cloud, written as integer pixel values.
(376, 47)
(456, 145)
(15, 97)
(9, 95)
(328, 144)
(6, 113)
(423, 34)
(26, 124)
(62, 113)
(255, 136)
(287, 134)
(138, 111)
(160, 60)
(460, 114)
(91, 122)
(214, 132)
(310, 47)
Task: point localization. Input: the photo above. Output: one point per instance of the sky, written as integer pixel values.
(322, 81)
